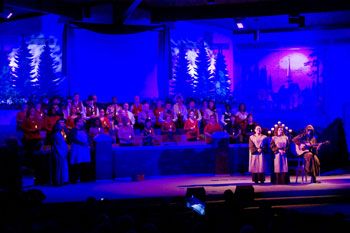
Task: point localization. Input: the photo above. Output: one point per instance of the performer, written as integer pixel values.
(306, 143)
(191, 127)
(279, 146)
(226, 117)
(258, 148)
(211, 127)
(136, 108)
(167, 110)
(168, 129)
(70, 120)
(39, 113)
(125, 133)
(157, 111)
(179, 112)
(233, 129)
(92, 110)
(60, 153)
(21, 115)
(203, 109)
(80, 158)
(129, 114)
(79, 106)
(147, 133)
(105, 123)
(249, 128)
(96, 128)
(242, 116)
(146, 114)
(211, 110)
(197, 113)
(113, 109)
(49, 121)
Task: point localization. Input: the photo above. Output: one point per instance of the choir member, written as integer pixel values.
(92, 110)
(49, 121)
(39, 112)
(191, 127)
(179, 112)
(136, 108)
(146, 114)
(242, 115)
(21, 115)
(113, 109)
(233, 129)
(279, 146)
(203, 109)
(105, 123)
(167, 110)
(157, 111)
(70, 120)
(227, 115)
(129, 114)
(211, 127)
(258, 148)
(79, 106)
(168, 129)
(96, 128)
(80, 158)
(197, 112)
(249, 128)
(211, 110)
(147, 133)
(60, 153)
(125, 133)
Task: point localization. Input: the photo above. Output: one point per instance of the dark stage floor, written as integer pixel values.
(329, 196)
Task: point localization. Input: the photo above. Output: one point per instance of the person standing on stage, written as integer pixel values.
(279, 146)
(211, 110)
(80, 158)
(303, 141)
(258, 148)
(168, 110)
(60, 153)
(21, 115)
(242, 115)
(105, 123)
(125, 133)
(249, 128)
(191, 127)
(233, 129)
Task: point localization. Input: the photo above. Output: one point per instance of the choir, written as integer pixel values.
(77, 123)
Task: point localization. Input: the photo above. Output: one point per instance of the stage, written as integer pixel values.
(329, 196)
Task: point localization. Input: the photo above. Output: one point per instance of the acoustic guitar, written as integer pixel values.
(305, 147)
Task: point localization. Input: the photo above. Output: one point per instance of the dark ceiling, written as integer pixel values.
(265, 14)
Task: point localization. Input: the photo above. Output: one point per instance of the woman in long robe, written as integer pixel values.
(258, 148)
(60, 153)
(279, 146)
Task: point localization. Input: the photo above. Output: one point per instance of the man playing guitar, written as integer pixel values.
(305, 146)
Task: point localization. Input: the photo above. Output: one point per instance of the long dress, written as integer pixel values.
(80, 157)
(257, 162)
(60, 154)
(280, 159)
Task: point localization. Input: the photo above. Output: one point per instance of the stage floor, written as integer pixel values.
(331, 195)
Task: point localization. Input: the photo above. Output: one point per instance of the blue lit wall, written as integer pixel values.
(113, 65)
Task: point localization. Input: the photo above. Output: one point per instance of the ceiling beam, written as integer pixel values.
(254, 9)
